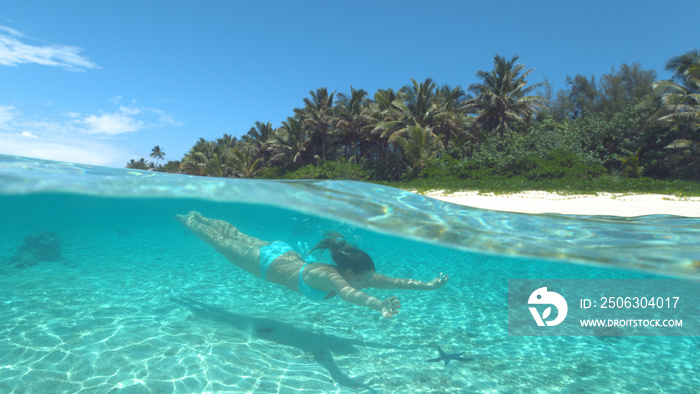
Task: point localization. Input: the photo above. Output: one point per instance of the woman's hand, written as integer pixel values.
(390, 307)
(438, 282)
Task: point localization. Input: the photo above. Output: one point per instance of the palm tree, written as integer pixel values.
(419, 101)
(171, 167)
(293, 140)
(351, 118)
(207, 158)
(450, 118)
(217, 165)
(409, 120)
(414, 105)
(226, 142)
(419, 144)
(246, 165)
(678, 100)
(196, 159)
(260, 137)
(383, 101)
(629, 164)
(380, 110)
(686, 66)
(138, 165)
(157, 154)
(680, 96)
(317, 114)
(503, 97)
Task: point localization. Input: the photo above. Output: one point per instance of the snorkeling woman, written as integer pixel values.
(276, 262)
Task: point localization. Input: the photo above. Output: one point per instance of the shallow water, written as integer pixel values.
(137, 303)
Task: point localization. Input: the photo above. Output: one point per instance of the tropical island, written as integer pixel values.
(621, 132)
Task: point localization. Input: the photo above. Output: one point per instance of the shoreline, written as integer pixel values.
(601, 204)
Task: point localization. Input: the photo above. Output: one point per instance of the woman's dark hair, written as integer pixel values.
(344, 254)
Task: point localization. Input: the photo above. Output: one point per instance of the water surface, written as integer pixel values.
(138, 303)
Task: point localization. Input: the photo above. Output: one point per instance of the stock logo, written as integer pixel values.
(543, 297)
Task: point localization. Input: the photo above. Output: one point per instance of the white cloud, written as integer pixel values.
(14, 52)
(129, 111)
(164, 118)
(119, 122)
(62, 147)
(98, 139)
(28, 134)
(6, 114)
(11, 31)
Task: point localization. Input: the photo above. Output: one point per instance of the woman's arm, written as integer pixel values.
(385, 282)
(389, 307)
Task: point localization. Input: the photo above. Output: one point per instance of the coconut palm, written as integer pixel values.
(419, 101)
(317, 114)
(414, 105)
(218, 165)
(171, 167)
(678, 100)
(383, 102)
(245, 162)
(196, 159)
(194, 163)
(157, 154)
(380, 110)
(686, 68)
(680, 104)
(207, 158)
(629, 164)
(138, 165)
(680, 96)
(351, 118)
(260, 138)
(450, 119)
(226, 142)
(292, 141)
(419, 144)
(503, 99)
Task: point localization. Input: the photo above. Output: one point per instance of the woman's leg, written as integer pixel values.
(241, 249)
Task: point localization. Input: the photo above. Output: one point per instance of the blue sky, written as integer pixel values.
(99, 82)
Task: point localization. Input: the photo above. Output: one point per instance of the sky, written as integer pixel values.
(103, 82)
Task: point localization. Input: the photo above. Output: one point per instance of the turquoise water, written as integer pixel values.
(136, 303)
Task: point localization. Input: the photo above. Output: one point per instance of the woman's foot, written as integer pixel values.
(187, 219)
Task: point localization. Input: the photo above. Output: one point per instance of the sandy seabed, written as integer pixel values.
(606, 204)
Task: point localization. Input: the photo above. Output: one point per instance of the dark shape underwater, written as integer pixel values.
(449, 357)
(37, 248)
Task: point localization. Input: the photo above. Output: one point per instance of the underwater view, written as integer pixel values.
(103, 290)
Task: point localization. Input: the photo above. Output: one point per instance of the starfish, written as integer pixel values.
(449, 357)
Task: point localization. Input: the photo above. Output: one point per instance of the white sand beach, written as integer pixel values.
(616, 204)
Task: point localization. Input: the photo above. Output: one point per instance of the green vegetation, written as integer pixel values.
(622, 132)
